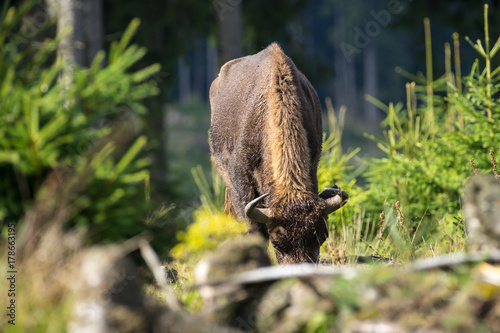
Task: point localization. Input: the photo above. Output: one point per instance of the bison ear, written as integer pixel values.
(334, 198)
(261, 215)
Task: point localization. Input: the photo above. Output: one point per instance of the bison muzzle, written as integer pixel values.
(265, 140)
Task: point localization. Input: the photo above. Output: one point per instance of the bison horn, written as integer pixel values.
(334, 198)
(257, 214)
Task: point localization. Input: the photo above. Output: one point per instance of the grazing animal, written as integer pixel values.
(265, 140)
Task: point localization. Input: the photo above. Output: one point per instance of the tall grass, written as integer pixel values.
(429, 140)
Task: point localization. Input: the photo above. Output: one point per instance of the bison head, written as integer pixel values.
(298, 229)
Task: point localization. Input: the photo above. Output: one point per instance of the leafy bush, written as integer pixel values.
(336, 168)
(207, 231)
(211, 225)
(429, 143)
(86, 125)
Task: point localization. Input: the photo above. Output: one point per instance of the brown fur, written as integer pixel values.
(266, 138)
(286, 133)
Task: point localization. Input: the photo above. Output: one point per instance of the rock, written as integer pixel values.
(289, 305)
(108, 293)
(109, 298)
(241, 291)
(228, 302)
(377, 327)
(482, 212)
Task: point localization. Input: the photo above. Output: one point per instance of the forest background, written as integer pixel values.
(104, 127)
(349, 51)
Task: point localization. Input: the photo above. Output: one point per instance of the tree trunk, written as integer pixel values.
(184, 83)
(93, 29)
(229, 30)
(84, 17)
(370, 83)
(344, 85)
(64, 12)
(156, 128)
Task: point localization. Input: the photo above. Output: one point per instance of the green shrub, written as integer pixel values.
(429, 143)
(211, 225)
(87, 125)
(207, 231)
(337, 168)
